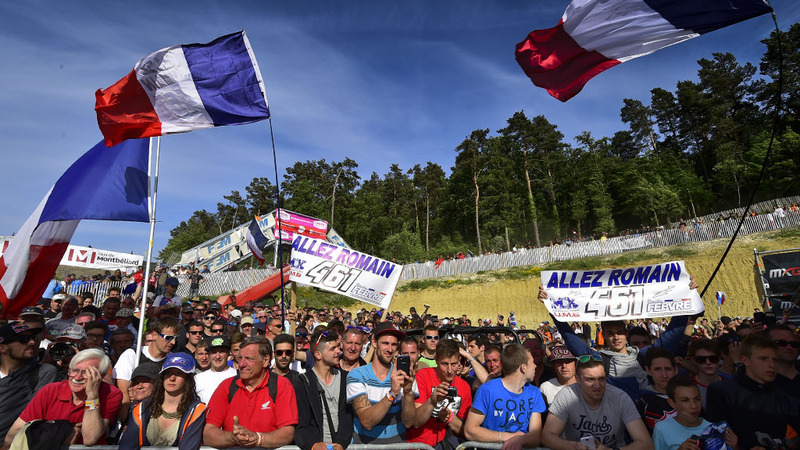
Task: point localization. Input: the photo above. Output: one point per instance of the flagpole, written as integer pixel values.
(279, 252)
(143, 306)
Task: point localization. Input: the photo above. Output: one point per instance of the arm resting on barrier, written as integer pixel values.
(369, 414)
(533, 438)
(639, 435)
(475, 432)
(551, 435)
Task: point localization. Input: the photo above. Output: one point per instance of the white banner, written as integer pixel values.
(343, 271)
(92, 258)
(657, 290)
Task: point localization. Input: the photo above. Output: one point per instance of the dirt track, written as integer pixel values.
(487, 299)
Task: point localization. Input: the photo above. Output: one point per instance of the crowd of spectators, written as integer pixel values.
(257, 375)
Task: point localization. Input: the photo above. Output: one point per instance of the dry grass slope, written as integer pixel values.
(486, 295)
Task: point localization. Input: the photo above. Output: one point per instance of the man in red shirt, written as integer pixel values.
(82, 399)
(444, 399)
(252, 418)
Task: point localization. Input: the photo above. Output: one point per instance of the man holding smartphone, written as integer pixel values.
(444, 400)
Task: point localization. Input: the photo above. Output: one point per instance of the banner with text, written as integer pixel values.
(343, 271)
(656, 290)
(293, 224)
(92, 258)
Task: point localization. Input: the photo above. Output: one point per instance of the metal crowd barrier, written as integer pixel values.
(397, 446)
(490, 445)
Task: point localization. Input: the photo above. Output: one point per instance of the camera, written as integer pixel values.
(62, 352)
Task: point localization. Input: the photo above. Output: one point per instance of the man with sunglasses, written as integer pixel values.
(590, 407)
(219, 348)
(274, 328)
(704, 355)
(166, 333)
(208, 320)
(430, 339)
(194, 334)
(284, 355)
(788, 343)
(21, 375)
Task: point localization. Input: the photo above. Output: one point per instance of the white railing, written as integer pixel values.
(219, 283)
(615, 245)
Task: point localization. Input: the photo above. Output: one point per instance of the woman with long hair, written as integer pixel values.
(173, 416)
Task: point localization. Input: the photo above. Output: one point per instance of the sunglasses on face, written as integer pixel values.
(195, 333)
(713, 359)
(210, 317)
(283, 352)
(302, 335)
(784, 343)
(217, 330)
(168, 337)
(22, 338)
(431, 338)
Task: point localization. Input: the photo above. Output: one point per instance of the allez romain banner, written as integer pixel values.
(656, 290)
(343, 271)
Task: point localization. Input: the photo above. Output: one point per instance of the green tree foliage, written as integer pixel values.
(692, 149)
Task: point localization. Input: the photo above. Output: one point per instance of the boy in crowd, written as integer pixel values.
(508, 410)
(677, 431)
(653, 405)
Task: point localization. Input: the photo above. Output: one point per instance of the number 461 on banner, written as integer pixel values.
(343, 271)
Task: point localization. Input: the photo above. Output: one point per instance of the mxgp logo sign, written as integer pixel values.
(790, 272)
(82, 256)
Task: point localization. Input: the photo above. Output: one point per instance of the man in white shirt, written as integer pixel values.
(207, 382)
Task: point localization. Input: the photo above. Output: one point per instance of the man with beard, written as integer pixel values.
(382, 396)
(330, 422)
(353, 344)
(284, 355)
(443, 402)
(21, 375)
(563, 362)
(207, 382)
(166, 331)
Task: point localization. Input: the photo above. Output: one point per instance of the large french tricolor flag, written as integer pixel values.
(595, 35)
(184, 88)
(104, 184)
(256, 240)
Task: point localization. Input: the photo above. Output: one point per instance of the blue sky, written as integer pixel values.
(379, 82)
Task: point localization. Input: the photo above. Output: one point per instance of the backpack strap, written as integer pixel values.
(232, 389)
(272, 387)
(137, 418)
(196, 412)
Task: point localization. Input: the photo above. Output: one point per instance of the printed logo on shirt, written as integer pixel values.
(265, 405)
(603, 431)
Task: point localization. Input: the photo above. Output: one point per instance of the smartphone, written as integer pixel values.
(588, 441)
(404, 363)
(452, 391)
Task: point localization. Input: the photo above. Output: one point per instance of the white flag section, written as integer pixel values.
(657, 290)
(343, 271)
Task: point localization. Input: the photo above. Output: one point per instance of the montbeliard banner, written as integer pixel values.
(343, 271)
(656, 290)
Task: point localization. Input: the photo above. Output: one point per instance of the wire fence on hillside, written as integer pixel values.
(582, 249)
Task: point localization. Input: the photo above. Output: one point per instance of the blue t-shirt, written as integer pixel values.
(362, 381)
(669, 434)
(506, 410)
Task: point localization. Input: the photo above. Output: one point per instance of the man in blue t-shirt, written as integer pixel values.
(508, 409)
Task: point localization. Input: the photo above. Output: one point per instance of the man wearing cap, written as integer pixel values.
(55, 306)
(166, 330)
(207, 382)
(125, 320)
(170, 295)
(21, 375)
(69, 309)
(33, 317)
(243, 412)
(563, 362)
(382, 396)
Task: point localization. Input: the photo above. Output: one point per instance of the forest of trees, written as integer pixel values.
(693, 150)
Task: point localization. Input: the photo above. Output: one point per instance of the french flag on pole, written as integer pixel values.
(184, 88)
(103, 184)
(595, 35)
(256, 240)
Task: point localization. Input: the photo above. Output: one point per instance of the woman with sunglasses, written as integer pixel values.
(173, 416)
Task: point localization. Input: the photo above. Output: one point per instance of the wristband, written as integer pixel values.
(260, 439)
(450, 417)
(91, 405)
(391, 397)
(499, 437)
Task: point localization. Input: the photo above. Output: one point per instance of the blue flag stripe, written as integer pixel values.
(706, 16)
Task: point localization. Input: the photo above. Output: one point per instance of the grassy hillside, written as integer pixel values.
(498, 292)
